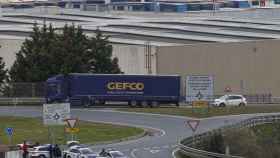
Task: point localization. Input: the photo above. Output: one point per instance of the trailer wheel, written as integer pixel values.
(86, 102)
(133, 103)
(154, 104)
(144, 104)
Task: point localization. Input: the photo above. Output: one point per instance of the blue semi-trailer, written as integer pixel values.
(137, 90)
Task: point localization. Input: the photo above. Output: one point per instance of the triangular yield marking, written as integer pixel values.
(193, 124)
(71, 123)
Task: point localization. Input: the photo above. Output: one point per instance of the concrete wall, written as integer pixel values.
(132, 58)
(247, 67)
(8, 50)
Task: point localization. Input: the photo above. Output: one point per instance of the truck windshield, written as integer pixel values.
(54, 89)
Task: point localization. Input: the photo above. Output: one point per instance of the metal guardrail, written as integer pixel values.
(14, 101)
(185, 144)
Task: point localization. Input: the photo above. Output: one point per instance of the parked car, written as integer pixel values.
(41, 151)
(80, 152)
(111, 153)
(230, 100)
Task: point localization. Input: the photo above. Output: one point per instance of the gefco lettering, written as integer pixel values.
(133, 86)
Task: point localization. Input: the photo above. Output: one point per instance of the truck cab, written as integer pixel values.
(55, 88)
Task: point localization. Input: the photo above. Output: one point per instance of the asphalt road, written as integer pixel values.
(169, 129)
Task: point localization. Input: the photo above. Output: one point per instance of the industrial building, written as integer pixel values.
(241, 53)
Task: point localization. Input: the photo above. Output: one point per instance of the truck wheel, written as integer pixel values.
(154, 104)
(133, 103)
(144, 104)
(86, 103)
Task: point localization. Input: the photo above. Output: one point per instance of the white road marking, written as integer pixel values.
(173, 153)
(132, 153)
(154, 151)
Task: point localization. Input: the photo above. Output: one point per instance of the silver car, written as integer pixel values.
(40, 152)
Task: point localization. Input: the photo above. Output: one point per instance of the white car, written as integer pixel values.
(81, 152)
(40, 152)
(230, 100)
(113, 154)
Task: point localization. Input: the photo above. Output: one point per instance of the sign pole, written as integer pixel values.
(193, 124)
(10, 140)
(15, 101)
(193, 140)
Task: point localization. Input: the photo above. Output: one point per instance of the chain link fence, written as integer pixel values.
(23, 90)
(38, 90)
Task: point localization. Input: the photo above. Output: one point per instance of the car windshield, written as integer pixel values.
(223, 97)
(86, 151)
(117, 154)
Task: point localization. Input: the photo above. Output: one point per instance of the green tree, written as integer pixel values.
(50, 51)
(3, 72)
(33, 61)
(100, 55)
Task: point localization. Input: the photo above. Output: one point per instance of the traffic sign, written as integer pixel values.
(71, 122)
(199, 87)
(72, 130)
(193, 124)
(199, 95)
(9, 131)
(55, 114)
(199, 104)
(228, 89)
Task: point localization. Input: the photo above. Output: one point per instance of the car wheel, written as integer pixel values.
(42, 156)
(241, 104)
(222, 105)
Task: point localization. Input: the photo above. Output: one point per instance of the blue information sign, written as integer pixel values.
(9, 131)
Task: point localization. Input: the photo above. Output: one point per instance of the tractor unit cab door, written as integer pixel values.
(56, 90)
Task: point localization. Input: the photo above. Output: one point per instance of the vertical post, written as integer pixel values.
(33, 89)
(72, 136)
(10, 139)
(15, 101)
(193, 139)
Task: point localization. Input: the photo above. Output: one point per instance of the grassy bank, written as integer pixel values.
(33, 130)
(203, 113)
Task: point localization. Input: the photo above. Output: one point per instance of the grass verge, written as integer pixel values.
(32, 129)
(178, 154)
(209, 112)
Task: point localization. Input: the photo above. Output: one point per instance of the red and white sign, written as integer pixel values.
(71, 122)
(228, 89)
(193, 124)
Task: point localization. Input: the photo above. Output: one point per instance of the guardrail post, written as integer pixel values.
(33, 89)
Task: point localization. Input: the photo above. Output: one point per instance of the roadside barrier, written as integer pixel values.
(185, 145)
